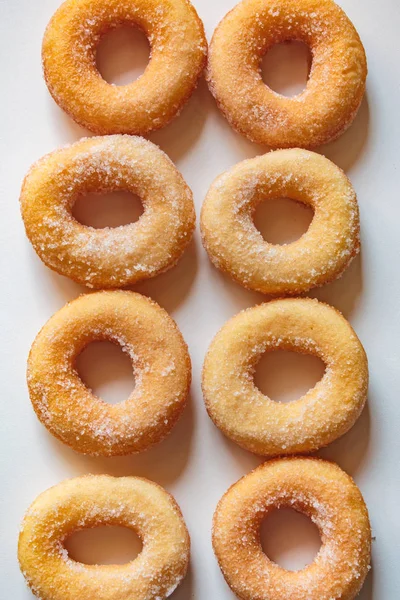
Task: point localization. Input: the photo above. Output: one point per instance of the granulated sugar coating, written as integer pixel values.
(319, 256)
(323, 492)
(95, 500)
(160, 360)
(336, 81)
(178, 54)
(108, 257)
(324, 413)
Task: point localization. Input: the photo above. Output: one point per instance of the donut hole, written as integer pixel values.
(285, 68)
(290, 539)
(282, 220)
(122, 54)
(285, 376)
(110, 209)
(107, 371)
(104, 545)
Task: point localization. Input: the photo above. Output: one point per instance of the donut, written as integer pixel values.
(336, 82)
(110, 257)
(178, 56)
(316, 488)
(254, 421)
(95, 500)
(236, 247)
(160, 360)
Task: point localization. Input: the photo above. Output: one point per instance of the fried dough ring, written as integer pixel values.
(178, 54)
(110, 257)
(317, 488)
(92, 501)
(161, 363)
(320, 255)
(324, 413)
(336, 83)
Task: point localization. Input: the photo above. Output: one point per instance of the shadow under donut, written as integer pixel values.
(163, 463)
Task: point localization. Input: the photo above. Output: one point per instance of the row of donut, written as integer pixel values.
(116, 257)
(318, 488)
(162, 368)
(321, 113)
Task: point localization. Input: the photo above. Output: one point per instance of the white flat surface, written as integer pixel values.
(196, 463)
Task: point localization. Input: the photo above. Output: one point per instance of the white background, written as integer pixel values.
(196, 463)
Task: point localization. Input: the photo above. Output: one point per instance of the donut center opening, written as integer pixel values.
(285, 68)
(286, 376)
(282, 220)
(104, 545)
(290, 539)
(107, 371)
(109, 209)
(122, 54)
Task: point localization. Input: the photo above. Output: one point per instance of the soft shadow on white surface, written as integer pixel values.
(162, 463)
(185, 590)
(171, 288)
(181, 133)
(349, 147)
(286, 66)
(290, 539)
(282, 220)
(343, 293)
(106, 545)
(123, 55)
(110, 209)
(286, 376)
(107, 371)
(350, 451)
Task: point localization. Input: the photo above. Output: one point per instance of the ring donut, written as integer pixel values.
(113, 256)
(254, 421)
(320, 490)
(336, 83)
(160, 360)
(92, 501)
(320, 255)
(178, 55)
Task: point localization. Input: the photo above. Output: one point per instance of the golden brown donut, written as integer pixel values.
(160, 360)
(178, 54)
(324, 413)
(320, 490)
(92, 501)
(110, 257)
(320, 255)
(336, 83)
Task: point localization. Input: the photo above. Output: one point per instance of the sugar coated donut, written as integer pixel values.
(160, 360)
(319, 256)
(178, 55)
(113, 256)
(324, 413)
(320, 490)
(92, 501)
(336, 82)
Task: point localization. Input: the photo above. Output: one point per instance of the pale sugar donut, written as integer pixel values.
(324, 413)
(320, 255)
(92, 501)
(160, 360)
(336, 83)
(320, 490)
(110, 257)
(178, 54)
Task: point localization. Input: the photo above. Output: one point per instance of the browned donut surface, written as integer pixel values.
(92, 501)
(323, 492)
(336, 81)
(178, 54)
(160, 361)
